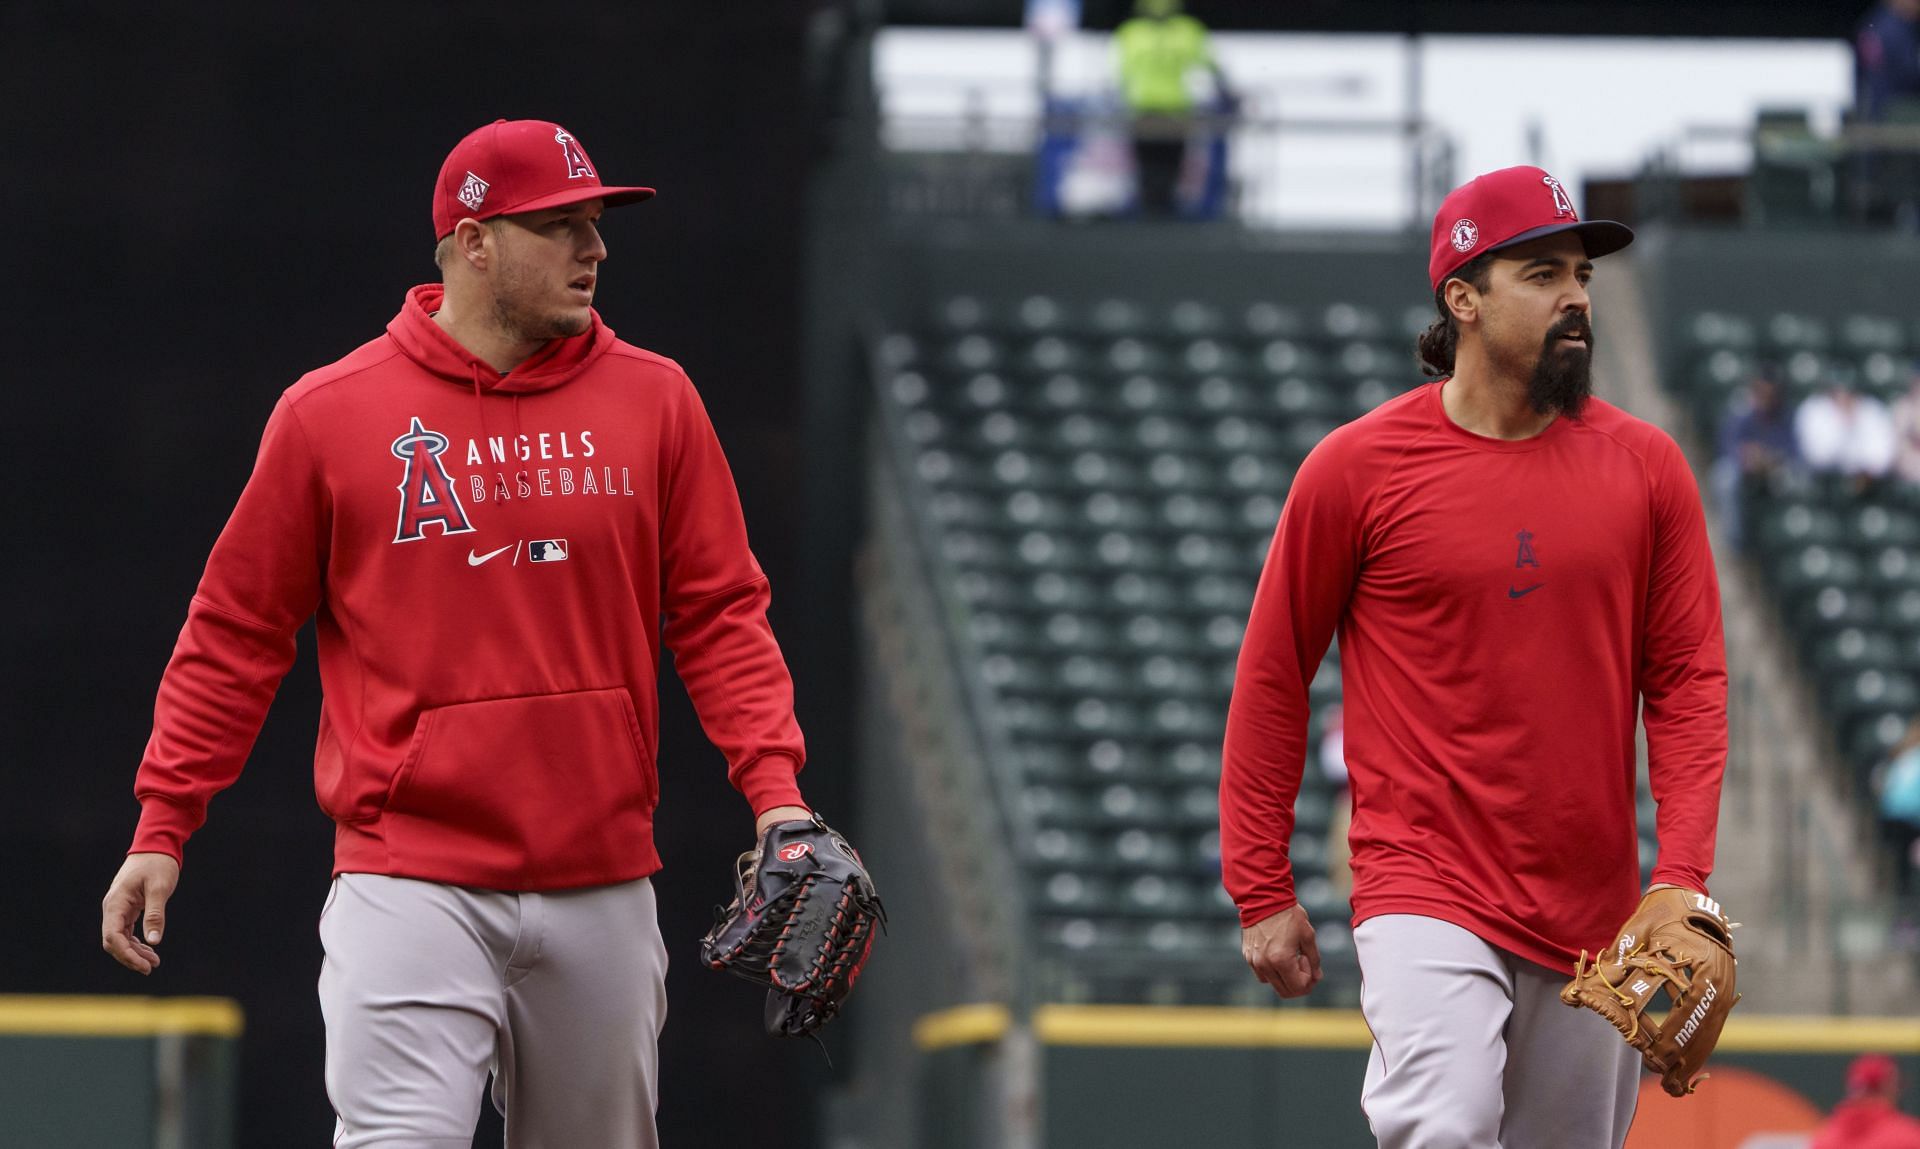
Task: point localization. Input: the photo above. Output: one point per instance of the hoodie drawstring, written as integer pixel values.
(521, 476)
(480, 407)
(513, 444)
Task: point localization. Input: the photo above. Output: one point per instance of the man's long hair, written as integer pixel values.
(1438, 342)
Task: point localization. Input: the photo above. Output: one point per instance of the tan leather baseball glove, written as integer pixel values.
(1678, 940)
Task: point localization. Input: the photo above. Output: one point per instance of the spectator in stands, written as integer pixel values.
(1870, 1117)
(1159, 49)
(1887, 89)
(1757, 447)
(1887, 58)
(1897, 784)
(1842, 432)
(1906, 430)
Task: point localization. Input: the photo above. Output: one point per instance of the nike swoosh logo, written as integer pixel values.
(474, 560)
(1523, 591)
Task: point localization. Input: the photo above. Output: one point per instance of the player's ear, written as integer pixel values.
(472, 243)
(1462, 300)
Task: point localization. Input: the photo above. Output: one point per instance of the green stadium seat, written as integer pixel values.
(1867, 333)
(1873, 691)
(1786, 331)
(1218, 394)
(1142, 848)
(1893, 568)
(1281, 358)
(1797, 524)
(1067, 391)
(1112, 759)
(1352, 321)
(1132, 355)
(960, 313)
(1202, 358)
(1060, 848)
(1298, 397)
(1902, 610)
(1118, 317)
(1193, 317)
(973, 351)
(1361, 359)
(1884, 374)
(1268, 320)
(1049, 354)
(1062, 590)
(1071, 891)
(1876, 524)
(1852, 649)
(1714, 329)
(1040, 313)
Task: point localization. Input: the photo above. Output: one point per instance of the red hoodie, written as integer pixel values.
(489, 558)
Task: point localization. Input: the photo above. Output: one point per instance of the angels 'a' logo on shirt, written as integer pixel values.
(1526, 557)
(577, 165)
(426, 490)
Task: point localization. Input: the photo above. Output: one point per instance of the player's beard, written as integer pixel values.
(523, 310)
(1563, 375)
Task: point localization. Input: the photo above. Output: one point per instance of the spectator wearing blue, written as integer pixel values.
(1898, 788)
(1887, 58)
(1158, 50)
(1887, 89)
(1757, 447)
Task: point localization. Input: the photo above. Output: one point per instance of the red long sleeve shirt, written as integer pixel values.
(1502, 608)
(489, 559)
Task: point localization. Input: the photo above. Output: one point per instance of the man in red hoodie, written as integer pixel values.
(1517, 570)
(1870, 1117)
(487, 510)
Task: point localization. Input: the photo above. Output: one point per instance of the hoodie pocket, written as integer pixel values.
(552, 787)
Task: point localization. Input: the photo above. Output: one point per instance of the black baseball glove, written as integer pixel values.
(801, 923)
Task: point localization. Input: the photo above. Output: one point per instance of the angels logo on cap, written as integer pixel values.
(577, 164)
(1504, 208)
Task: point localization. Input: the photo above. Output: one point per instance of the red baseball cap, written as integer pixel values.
(1872, 1073)
(512, 166)
(1512, 205)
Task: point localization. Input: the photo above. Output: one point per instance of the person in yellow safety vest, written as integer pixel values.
(1157, 51)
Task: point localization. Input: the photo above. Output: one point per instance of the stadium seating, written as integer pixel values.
(1842, 563)
(1097, 482)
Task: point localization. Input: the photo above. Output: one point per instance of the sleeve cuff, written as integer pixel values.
(770, 781)
(164, 828)
(1262, 910)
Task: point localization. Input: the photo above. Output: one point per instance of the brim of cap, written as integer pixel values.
(1599, 236)
(614, 197)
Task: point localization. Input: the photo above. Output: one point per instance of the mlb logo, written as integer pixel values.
(473, 193)
(547, 551)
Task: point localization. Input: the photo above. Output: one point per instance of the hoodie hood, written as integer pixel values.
(427, 344)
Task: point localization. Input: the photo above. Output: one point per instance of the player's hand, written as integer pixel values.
(780, 814)
(1281, 951)
(133, 915)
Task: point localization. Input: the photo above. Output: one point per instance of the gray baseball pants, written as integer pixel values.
(1473, 1048)
(426, 988)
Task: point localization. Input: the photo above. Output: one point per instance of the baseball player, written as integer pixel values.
(489, 508)
(1513, 567)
